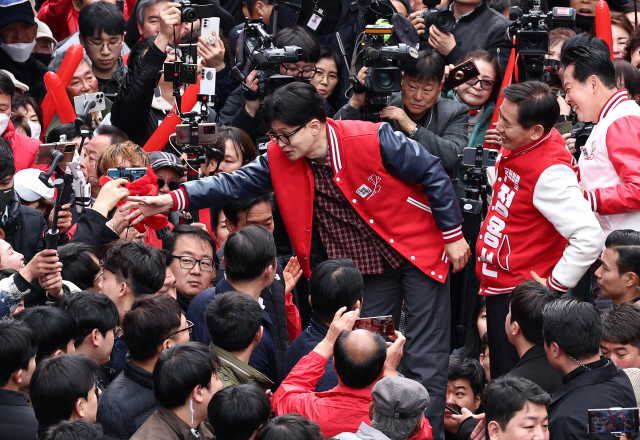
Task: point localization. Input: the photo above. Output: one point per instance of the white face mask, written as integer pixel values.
(36, 129)
(4, 122)
(19, 52)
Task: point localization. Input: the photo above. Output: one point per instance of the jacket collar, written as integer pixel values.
(585, 378)
(243, 372)
(137, 374)
(13, 398)
(613, 102)
(342, 390)
(469, 16)
(530, 147)
(224, 286)
(13, 211)
(177, 424)
(366, 432)
(334, 149)
(318, 326)
(534, 352)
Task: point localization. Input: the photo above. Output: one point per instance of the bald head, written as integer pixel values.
(359, 357)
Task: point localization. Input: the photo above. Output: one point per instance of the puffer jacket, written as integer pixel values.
(25, 149)
(24, 229)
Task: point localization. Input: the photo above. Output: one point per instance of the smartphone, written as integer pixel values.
(613, 420)
(453, 408)
(44, 152)
(131, 174)
(206, 134)
(488, 157)
(383, 325)
(208, 81)
(189, 53)
(209, 26)
(78, 102)
(461, 73)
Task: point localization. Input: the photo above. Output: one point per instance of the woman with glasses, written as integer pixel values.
(327, 78)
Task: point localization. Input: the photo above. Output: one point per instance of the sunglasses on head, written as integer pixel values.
(485, 84)
(173, 184)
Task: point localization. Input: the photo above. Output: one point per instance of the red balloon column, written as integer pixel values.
(603, 24)
(58, 94)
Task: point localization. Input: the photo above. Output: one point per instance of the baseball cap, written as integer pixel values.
(399, 397)
(15, 10)
(45, 32)
(29, 187)
(20, 86)
(160, 159)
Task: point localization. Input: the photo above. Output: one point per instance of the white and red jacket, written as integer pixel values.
(538, 221)
(610, 165)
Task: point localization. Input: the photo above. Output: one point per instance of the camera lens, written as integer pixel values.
(445, 21)
(189, 15)
(385, 80)
(534, 42)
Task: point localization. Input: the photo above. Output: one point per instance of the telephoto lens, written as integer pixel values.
(443, 20)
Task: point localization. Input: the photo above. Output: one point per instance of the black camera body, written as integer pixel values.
(181, 73)
(444, 20)
(384, 77)
(581, 134)
(531, 28)
(192, 12)
(256, 51)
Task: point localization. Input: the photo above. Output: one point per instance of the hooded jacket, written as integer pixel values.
(24, 229)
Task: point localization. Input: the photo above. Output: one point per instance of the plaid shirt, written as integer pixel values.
(343, 232)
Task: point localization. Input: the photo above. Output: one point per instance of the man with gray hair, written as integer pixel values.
(396, 412)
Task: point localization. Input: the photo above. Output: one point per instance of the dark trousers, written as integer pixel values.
(427, 315)
(502, 353)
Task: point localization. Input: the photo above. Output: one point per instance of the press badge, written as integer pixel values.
(316, 19)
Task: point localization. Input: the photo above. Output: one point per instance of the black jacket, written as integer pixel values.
(24, 229)
(464, 430)
(127, 403)
(604, 386)
(534, 365)
(30, 73)
(112, 85)
(17, 419)
(92, 230)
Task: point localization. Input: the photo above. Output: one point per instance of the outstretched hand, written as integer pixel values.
(146, 206)
(292, 274)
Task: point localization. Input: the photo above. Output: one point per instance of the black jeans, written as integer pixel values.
(427, 325)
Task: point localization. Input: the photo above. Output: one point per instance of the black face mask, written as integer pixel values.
(584, 22)
(6, 195)
(44, 58)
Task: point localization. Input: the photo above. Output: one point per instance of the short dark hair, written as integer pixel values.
(483, 55)
(58, 383)
(620, 325)
(588, 61)
(507, 395)
(91, 310)
(7, 87)
(115, 134)
(180, 369)
(142, 5)
(359, 374)
(628, 74)
(99, 17)
(7, 164)
(465, 368)
(248, 252)
(291, 427)
(74, 430)
(527, 301)
(69, 130)
(23, 101)
(55, 328)
(148, 324)
(586, 39)
(294, 104)
(299, 36)
(236, 412)
(233, 319)
(142, 267)
(428, 66)
(627, 243)
(574, 325)
(240, 140)
(537, 104)
(232, 210)
(18, 344)
(334, 284)
(78, 266)
(170, 239)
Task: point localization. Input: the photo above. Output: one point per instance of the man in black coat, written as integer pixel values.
(572, 335)
(524, 330)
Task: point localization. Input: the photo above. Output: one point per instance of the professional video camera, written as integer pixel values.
(384, 75)
(443, 20)
(256, 51)
(531, 28)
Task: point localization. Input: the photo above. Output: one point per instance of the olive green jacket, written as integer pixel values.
(233, 371)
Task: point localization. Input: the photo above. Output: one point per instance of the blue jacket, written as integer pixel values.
(303, 345)
(265, 356)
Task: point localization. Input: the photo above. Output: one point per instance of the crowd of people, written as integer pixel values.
(222, 297)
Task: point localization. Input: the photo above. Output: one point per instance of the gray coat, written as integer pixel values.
(444, 131)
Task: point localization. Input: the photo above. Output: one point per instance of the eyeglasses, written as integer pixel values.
(306, 73)
(330, 76)
(116, 332)
(98, 45)
(98, 276)
(173, 184)
(188, 328)
(206, 264)
(283, 138)
(485, 84)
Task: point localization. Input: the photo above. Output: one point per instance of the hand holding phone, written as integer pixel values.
(383, 325)
(454, 409)
(461, 73)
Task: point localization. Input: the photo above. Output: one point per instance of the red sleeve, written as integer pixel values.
(623, 144)
(294, 324)
(55, 13)
(128, 8)
(426, 432)
(297, 391)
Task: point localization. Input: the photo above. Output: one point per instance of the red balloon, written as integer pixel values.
(603, 24)
(58, 94)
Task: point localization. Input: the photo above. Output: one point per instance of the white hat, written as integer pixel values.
(29, 187)
(20, 86)
(45, 32)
